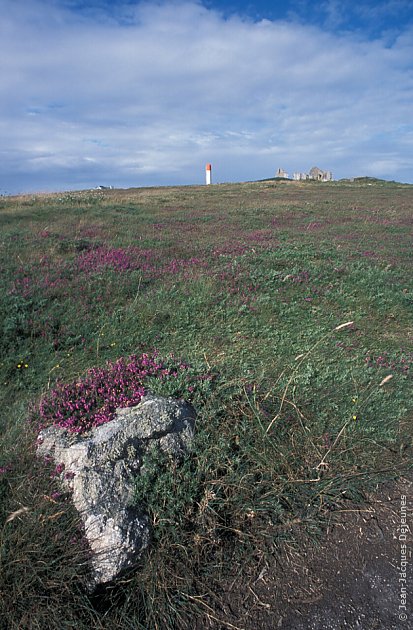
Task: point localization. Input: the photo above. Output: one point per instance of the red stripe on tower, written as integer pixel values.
(208, 173)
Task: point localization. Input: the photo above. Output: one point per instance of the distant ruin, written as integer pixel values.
(315, 174)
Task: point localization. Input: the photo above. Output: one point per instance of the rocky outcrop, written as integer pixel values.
(99, 470)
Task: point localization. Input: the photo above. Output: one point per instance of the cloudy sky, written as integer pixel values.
(128, 93)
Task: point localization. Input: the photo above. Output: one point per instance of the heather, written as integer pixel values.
(232, 297)
(93, 399)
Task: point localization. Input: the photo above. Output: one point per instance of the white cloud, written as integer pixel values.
(150, 98)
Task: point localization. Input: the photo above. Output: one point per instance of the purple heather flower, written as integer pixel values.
(58, 470)
(93, 399)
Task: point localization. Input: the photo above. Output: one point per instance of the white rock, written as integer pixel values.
(100, 469)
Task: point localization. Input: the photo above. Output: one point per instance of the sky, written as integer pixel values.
(127, 93)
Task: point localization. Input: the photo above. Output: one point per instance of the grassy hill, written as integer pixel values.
(282, 310)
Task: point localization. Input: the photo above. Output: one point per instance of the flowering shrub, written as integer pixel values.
(93, 399)
(102, 257)
(400, 363)
(176, 265)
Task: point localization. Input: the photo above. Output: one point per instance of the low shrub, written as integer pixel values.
(93, 399)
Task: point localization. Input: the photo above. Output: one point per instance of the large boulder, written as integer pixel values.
(100, 468)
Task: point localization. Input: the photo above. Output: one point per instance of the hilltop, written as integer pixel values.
(282, 312)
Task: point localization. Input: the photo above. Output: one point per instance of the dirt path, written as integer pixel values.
(354, 581)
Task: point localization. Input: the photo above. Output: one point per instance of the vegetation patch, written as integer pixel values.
(93, 399)
(281, 310)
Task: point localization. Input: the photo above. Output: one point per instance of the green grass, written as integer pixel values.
(248, 282)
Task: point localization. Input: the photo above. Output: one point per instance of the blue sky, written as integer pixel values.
(128, 93)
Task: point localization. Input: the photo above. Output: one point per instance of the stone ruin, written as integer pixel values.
(315, 174)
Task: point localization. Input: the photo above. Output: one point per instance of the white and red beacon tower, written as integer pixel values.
(208, 172)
